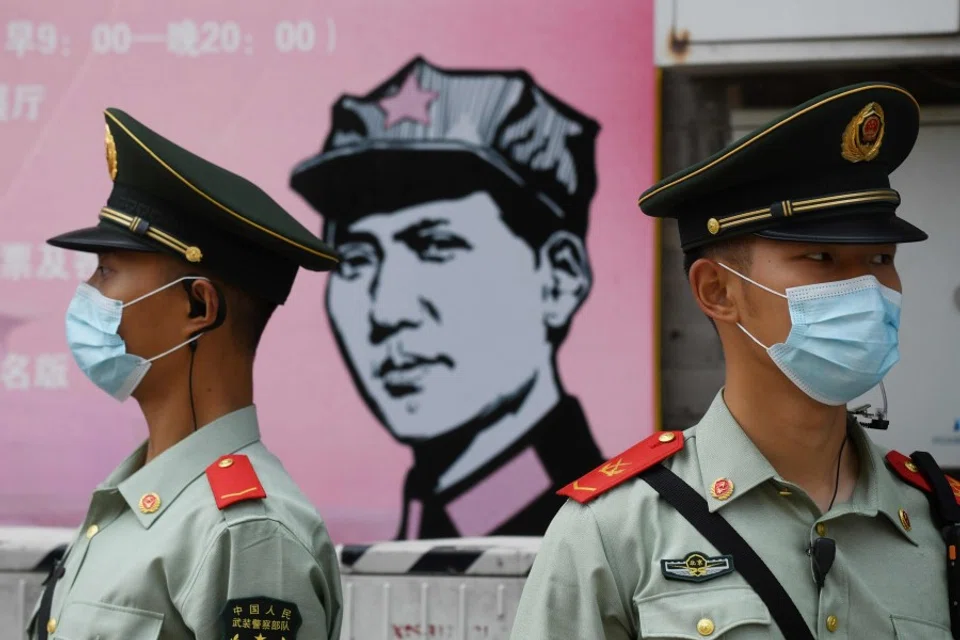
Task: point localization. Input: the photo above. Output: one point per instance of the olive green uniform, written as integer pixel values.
(620, 561)
(599, 572)
(210, 539)
(171, 574)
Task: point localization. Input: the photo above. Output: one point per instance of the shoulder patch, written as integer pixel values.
(232, 479)
(628, 464)
(260, 618)
(903, 466)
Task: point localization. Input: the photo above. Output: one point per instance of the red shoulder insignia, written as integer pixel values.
(628, 464)
(233, 479)
(903, 466)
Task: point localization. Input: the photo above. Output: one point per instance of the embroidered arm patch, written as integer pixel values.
(260, 618)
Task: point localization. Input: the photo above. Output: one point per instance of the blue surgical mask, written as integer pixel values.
(844, 337)
(99, 351)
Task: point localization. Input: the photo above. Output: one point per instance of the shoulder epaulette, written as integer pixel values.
(628, 464)
(233, 479)
(903, 466)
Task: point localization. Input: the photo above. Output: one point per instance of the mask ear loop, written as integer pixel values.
(755, 283)
(197, 309)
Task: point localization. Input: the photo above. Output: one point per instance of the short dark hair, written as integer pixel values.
(734, 253)
(250, 316)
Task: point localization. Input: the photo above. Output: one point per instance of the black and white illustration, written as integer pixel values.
(459, 200)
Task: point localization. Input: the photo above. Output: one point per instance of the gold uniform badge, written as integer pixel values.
(864, 135)
(111, 153)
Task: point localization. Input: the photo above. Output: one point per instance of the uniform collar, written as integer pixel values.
(725, 452)
(878, 491)
(169, 473)
(727, 455)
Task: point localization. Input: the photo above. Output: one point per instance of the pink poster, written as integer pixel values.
(490, 334)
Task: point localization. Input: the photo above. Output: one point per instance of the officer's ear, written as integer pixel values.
(566, 278)
(207, 306)
(711, 287)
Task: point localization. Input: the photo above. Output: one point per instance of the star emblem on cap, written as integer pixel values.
(410, 102)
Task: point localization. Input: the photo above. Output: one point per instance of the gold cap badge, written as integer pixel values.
(111, 153)
(864, 135)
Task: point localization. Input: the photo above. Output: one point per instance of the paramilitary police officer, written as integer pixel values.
(775, 516)
(200, 533)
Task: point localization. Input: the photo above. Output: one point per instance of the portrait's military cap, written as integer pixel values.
(432, 133)
(818, 173)
(166, 199)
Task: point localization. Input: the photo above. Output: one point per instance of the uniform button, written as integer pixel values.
(92, 531)
(705, 627)
(821, 529)
(832, 623)
(226, 462)
(51, 625)
(905, 520)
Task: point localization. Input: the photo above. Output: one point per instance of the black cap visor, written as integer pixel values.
(101, 239)
(858, 229)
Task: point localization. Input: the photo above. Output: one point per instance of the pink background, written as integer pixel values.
(258, 114)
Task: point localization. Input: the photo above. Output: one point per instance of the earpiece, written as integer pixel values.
(199, 308)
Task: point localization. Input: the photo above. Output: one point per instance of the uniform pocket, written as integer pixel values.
(97, 621)
(913, 629)
(726, 612)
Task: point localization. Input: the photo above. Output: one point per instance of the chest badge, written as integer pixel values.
(696, 567)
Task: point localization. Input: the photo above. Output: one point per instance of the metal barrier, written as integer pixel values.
(26, 556)
(456, 589)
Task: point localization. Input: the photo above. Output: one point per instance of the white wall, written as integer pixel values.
(712, 33)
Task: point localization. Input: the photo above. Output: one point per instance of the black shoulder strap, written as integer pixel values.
(725, 538)
(46, 600)
(946, 513)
